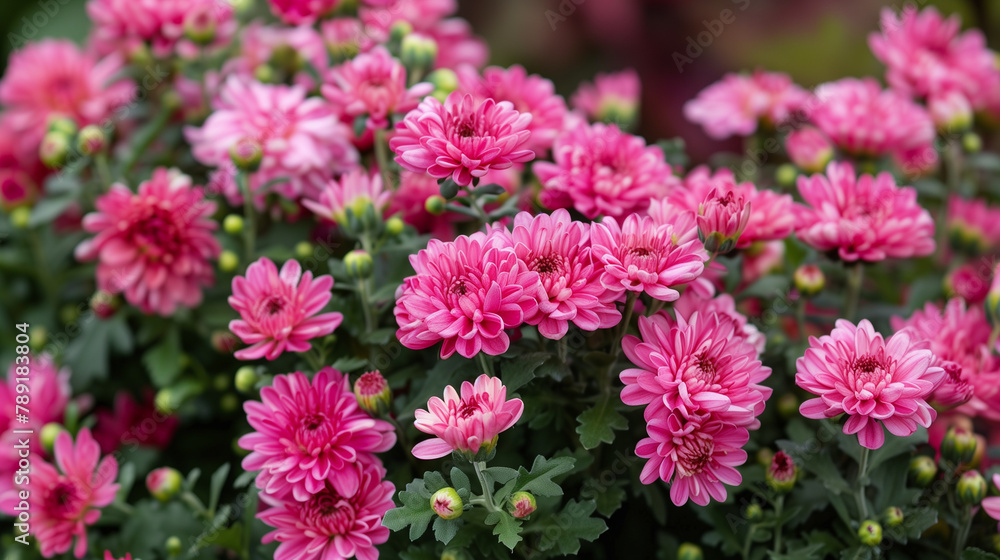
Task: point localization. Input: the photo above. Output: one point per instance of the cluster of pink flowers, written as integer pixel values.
(738, 103)
(974, 224)
(163, 27)
(612, 98)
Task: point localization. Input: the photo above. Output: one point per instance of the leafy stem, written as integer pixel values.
(250, 229)
(480, 467)
(963, 531)
(862, 483)
(748, 541)
(779, 505)
(382, 157)
(855, 274)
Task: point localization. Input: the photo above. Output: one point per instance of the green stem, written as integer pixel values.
(103, 171)
(382, 157)
(250, 214)
(44, 276)
(748, 541)
(862, 483)
(855, 275)
(655, 307)
(993, 337)
(800, 316)
(953, 176)
(487, 491)
(315, 360)
(363, 289)
(963, 532)
(779, 505)
(123, 507)
(195, 504)
(563, 349)
(484, 363)
(146, 138)
(626, 318)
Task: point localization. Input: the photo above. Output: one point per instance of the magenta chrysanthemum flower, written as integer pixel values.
(155, 246)
(462, 139)
(612, 97)
(296, 12)
(862, 218)
(48, 386)
(466, 293)
(308, 435)
(54, 78)
(259, 45)
(862, 119)
(329, 525)
(809, 149)
(66, 500)
(698, 453)
(735, 105)
(600, 170)
(926, 56)
(854, 371)
(278, 312)
(466, 422)
(373, 84)
(695, 365)
(723, 305)
(643, 256)
(529, 93)
(973, 223)
(356, 191)
(558, 249)
(123, 26)
(303, 142)
(722, 217)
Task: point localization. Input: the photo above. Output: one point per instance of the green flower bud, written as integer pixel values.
(399, 30)
(39, 336)
(788, 405)
(972, 142)
(435, 204)
(922, 471)
(764, 457)
(247, 155)
(958, 446)
(373, 393)
(522, 504)
(445, 81)
(417, 52)
(893, 516)
(448, 189)
(754, 512)
(455, 554)
(104, 304)
(689, 551)
(781, 473)
(303, 250)
(229, 402)
(54, 150)
(164, 483)
(228, 261)
(174, 546)
(971, 488)
(62, 125)
(19, 217)
(809, 280)
(285, 58)
(49, 434)
(265, 74)
(447, 503)
(246, 379)
(786, 174)
(870, 533)
(394, 226)
(199, 26)
(233, 224)
(165, 401)
(91, 140)
(359, 264)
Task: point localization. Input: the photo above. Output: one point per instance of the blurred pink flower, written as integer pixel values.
(155, 246)
(134, 423)
(355, 190)
(303, 143)
(968, 282)
(809, 149)
(991, 504)
(697, 454)
(462, 139)
(124, 26)
(373, 84)
(260, 44)
(642, 256)
(109, 556)
(612, 98)
(22, 173)
(48, 385)
(874, 381)
(454, 38)
(330, 434)
(457, 45)
(345, 37)
(408, 202)
(328, 525)
(530, 93)
(722, 305)
(466, 293)
(735, 105)
(761, 259)
(296, 12)
(973, 223)
(862, 218)
(278, 312)
(466, 422)
(600, 170)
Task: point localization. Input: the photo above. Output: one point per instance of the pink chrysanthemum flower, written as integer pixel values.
(612, 97)
(968, 282)
(54, 78)
(260, 44)
(328, 525)
(874, 381)
(725, 306)
(530, 93)
(307, 435)
(356, 191)
(466, 293)
(722, 217)
(862, 119)
(809, 149)
(67, 496)
(454, 38)
(558, 249)
(155, 246)
(278, 311)
(600, 170)
(698, 453)
(109, 556)
(123, 26)
(303, 143)
(297, 12)
(642, 256)
(345, 37)
(973, 223)
(462, 139)
(698, 364)
(862, 218)
(373, 84)
(735, 105)
(48, 386)
(115, 426)
(925, 55)
(466, 422)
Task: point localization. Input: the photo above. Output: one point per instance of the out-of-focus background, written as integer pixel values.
(678, 47)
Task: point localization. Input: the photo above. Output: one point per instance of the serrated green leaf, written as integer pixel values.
(507, 529)
(459, 479)
(597, 425)
(163, 361)
(539, 480)
(446, 529)
(434, 481)
(501, 475)
(520, 371)
(416, 511)
(564, 530)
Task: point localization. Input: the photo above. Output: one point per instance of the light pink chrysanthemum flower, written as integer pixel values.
(302, 140)
(328, 525)
(373, 84)
(308, 434)
(722, 217)
(697, 454)
(54, 78)
(123, 26)
(685, 229)
(298, 12)
(462, 138)
(809, 149)
(861, 118)
(853, 370)
(530, 93)
(735, 105)
(926, 55)
(466, 422)
(278, 311)
(66, 497)
(701, 363)
(862, 218)
(355, 191)
(600, 170)
(973, 222)
(466, 293)
(613, 97)
(457, 45)
(260, 43)
(558, 249)
(156, 245)
(641, 256)
(724, 305)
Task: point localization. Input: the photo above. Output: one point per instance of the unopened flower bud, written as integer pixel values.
(359, 264)
(447, 503)
(48, 435)
(54, 149)
(922, 471)
(233, 224)
(394, 226)
(950, 112)
(971, 488)
(104, 304)
(764, 457)
(228, 261)
(417, 52)
(965, 282)
(20, 216)
(265, 74)
(247, 155)
(786, 174)
(39, 337)
(522, 504)
(165, 401)
(448, 189)
(689, 551)
(62, 125)
(435, 204)
(224, 342)
(809, 280)
(373, 393)
(444, 81)
(958, 446)
(399, 30)
(788, 405)
(91, 140)
(229, 402)
(164, 483)
(721, 220)
(782, 472)
(893, 516)
(303, 250)
(870, 533)
(199, 25)
(173, 546)
(972, 142)
(754, 512)
(809, 149)
(246, 379)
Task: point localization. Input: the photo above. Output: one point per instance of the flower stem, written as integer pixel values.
(366, 308)
(779, 505)
(483, 361)
(315, 360)
(250, 228)
(748, 542)
(953, 176)
(862, 483)
(800, 316)
(855, 274)
(382, 157)
(563, 349)
(963, 532)
(626, 318)
(487, 491)
(103, 171)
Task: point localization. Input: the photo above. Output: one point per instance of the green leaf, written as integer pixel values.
(416, 511)
(539, 480)
(564, 530)
(808, 552)
(215, 489)
(812, 460)
(459, 479)
(126, 478)
(508, 529)
(349, 363)
(597, 425)
(520, 371)
(433, 481)
(49, 209)
(164, 360)
(446, 529)
(978, 554)
(502, 475)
